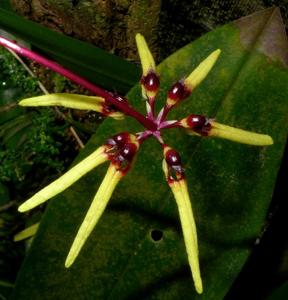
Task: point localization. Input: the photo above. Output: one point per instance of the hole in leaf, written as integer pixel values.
(156, 235)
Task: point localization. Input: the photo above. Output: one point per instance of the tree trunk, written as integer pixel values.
(108, 24)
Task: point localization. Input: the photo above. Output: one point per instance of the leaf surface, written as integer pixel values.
(230, 185)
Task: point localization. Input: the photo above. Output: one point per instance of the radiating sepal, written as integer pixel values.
(174, 174)
(121, 150)
(74, 101)
(239, 135)
(202, 70)
(59, 185)
(183, 88)
(200, 125)
(95, 211)
(150, 79)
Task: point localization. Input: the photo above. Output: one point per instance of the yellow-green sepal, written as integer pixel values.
(73, 101)
(146, 58)
(180, 192)
(239, 135)
(59, 185)
(202, 70)
(26, 233)
(94, 213)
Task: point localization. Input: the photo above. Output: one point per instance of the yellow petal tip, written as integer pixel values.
(22, 103)
(240, 135)
(146, 58)
(202, 70)
(68, 263)
(199, 288)
(26, 233)
(22, 208)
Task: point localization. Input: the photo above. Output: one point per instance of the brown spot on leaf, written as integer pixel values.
(265, 32)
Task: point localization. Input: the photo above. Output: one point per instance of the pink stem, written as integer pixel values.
(152, 106)
(166, 110)
(123, 107)
(169, 124)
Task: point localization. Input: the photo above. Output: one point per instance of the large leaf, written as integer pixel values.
(280, 293)
(101, 67)
(230, 184)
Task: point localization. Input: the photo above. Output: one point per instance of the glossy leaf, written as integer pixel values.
(101, 67)
(230, 184)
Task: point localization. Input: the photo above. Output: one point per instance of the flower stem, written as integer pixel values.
(123, 107)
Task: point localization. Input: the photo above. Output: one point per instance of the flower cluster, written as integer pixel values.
(120, 150)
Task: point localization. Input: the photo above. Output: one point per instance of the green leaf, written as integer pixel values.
(230, 184)
(99, 66)
(4, 194)
(5, 4)
(280, 293)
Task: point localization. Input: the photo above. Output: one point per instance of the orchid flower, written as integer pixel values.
(121, 149)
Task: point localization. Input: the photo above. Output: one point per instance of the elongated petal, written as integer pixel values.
(26, 233)
(180, 192)
(147, 60)
(199, 74)
(94, 213)
(239, 135)
(59, 185)
(73, 101)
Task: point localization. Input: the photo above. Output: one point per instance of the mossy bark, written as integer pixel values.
(109, 24)
(112, 24)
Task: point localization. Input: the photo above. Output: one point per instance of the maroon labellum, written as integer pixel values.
(123, 158)
(196, 121)
(128, 152)
(151, 81)
(119, 140)
(121, 150)
(199, 124)
(172, 158)
(175, 169)
(178, 91)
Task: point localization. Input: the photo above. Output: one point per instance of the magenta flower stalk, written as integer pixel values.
(120, 150)
(118, 102)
